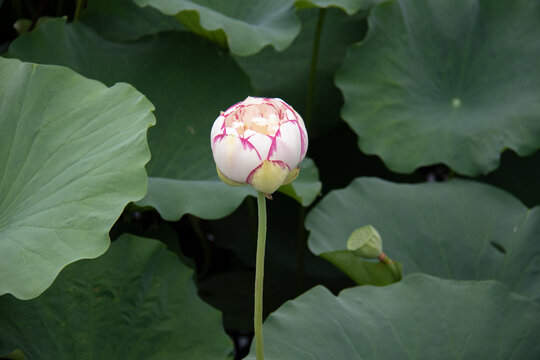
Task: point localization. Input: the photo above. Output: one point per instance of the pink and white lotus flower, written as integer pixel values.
(259, 141)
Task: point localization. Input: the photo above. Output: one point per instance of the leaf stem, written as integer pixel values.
(259, 276)
(78, 9)
(301, 243)
(313, 68)
(392, 266)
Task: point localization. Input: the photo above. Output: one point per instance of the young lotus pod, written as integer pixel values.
(365, 242)
(260, 142)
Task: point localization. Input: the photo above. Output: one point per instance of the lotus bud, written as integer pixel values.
(260, 142)
(365, 242)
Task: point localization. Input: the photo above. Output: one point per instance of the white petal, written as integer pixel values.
(303, 134)
(231, 131)
(273, 119)
(290, 115)
(248, 133)
(237, 124)
(262, 143)
(217, 127)
(260, 121)
(288, 145)
(235, 159)
(250, 100)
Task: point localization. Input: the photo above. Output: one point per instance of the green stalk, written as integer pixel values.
(313, 69)
(301, 243)
(78, 9)
(392, 266)
(259, 277)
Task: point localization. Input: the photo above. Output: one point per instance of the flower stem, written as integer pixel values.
(259, 276)
(313, 68)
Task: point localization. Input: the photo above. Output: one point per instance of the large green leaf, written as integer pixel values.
(122, 20)
(349, 6)
(286, 74)
(458, 229)
(138, 301)
(72, 155)
(188, 80)
(446, 82)
(245, 26)
(207, 199)
(420, 318)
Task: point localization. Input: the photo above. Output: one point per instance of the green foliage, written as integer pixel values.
(349, 6)
(135, 302)
(420, 318)
(189, 81)
(457, 229)
(72, 155)
(244, 27)
(437, 89)
(293, 66)
(446, 82)
(122, 20)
